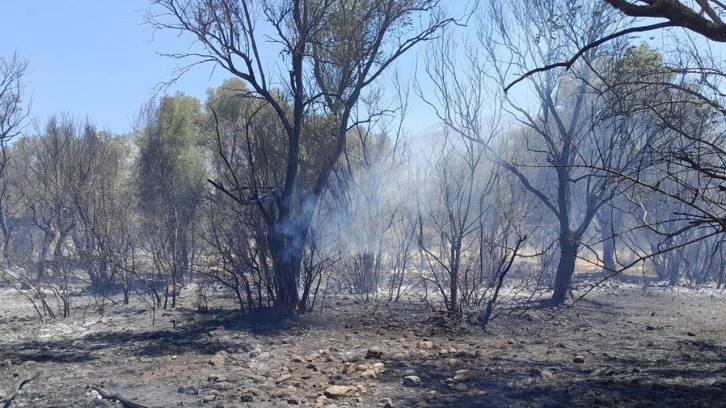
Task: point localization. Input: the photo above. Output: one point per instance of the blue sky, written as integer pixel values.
(95, 59)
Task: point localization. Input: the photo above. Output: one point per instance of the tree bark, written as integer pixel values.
(287, 245)
(608, 251)
(569, 246)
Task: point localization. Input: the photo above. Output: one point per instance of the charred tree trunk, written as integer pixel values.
(608, 252)
(364, 283)
(569, 246)
(287, 245)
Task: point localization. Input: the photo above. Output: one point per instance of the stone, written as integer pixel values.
(387, 403)
(374, 352)
(223, 386)
(248, 397)
(218, 359)
(426, 345)
(283, 378)
(400, 356)
(369, 373)
(546, 375)
(459, 387)
(411, 381)
(209, 398)
(188, 390)
(257, 378)
(234, 378)
(461, 376)
(579, 359)
(336, 391)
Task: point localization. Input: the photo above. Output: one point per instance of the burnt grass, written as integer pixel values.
(618, 347)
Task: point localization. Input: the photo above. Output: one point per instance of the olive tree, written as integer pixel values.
(566, 154)
(320, 57)
(171, 176)
(13, 113)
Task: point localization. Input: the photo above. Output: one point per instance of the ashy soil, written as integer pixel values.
(622, 346)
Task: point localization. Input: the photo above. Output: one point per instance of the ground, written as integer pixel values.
(622, 346)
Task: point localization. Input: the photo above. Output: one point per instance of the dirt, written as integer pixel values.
(622, 346)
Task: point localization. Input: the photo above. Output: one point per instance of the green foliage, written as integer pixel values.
(171, 162)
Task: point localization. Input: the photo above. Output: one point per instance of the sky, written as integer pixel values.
(93, 59)
(96, 59)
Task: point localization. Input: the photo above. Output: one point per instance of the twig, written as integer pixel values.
(115, 397)
(9, 400)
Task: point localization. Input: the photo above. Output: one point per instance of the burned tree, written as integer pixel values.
(332, 50)
(13, 114)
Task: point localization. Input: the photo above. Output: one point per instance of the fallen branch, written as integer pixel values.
(9, 400)
(115, 397)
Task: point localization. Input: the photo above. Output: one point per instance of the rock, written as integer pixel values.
(498, 343)
(257, 378)
(297, 359)
(603, 371)
(283, 378)
(374, 352)
(459, 387)
(411, 381)
(400, 356)
(546, 375)
(336, 391)
(461, 376)
(218, 359)
(248, 397)
(349, 368)
(223, 386)
(234, 378)
(426, 345)
(369, 373)
(409, 372)
(188, 390)
(579, 359)
(387, 403)
(209, 398)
